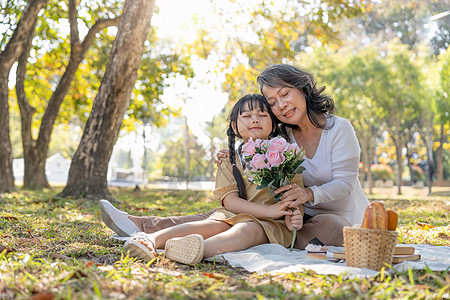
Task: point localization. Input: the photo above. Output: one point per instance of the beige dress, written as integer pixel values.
(276, 230)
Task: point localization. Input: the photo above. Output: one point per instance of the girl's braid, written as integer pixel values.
(232, 156)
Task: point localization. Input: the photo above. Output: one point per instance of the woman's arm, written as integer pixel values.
(345, 156)
(233, 203)
(222, 154)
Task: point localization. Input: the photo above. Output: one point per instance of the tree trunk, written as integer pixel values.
(88, 171)
(440, 159)
(6, 158)
(398, 151)
(366, 160)
(35, 151)
(369, 171)
(10, 54)
(428, 140)
(34, 160)
(408, 160)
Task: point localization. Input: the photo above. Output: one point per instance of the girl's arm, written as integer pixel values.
(233, 203)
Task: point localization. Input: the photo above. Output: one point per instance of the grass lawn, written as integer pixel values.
(59, 249)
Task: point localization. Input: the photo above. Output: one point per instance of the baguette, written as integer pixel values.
(375, 216)
(392, 219)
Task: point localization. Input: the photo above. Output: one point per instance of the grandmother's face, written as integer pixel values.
(288, 104)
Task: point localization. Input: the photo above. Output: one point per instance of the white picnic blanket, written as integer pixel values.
(274, 258)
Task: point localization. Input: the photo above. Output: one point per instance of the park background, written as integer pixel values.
(91, 86)
(386, 64)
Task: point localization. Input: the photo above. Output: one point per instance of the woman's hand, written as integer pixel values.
(296, 219)
(296, 194)
(223, 153)
(279, 209)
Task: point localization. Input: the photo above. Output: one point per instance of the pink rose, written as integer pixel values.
(259, 162)
(249, 148)
(274, 158)
(278, 144)
(292, 147)
(258, 143)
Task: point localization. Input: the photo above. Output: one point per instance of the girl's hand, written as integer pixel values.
(296, 220)
(296, 194)
(279, 209)
(223, 153)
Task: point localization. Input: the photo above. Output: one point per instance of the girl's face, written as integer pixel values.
(287, 104)
(254, 124)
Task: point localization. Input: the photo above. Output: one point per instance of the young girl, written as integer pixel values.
(248, 217)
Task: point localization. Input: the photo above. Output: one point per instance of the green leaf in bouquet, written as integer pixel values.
(284, 180)
(260, 187)
(299, 169)
(264, 183)
(281, 174)
(271, 187)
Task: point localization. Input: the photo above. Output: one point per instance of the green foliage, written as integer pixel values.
(153, 74)
(409, 20)
(173, 161)
(419, 174)
(382, 172)
(274, 34)
(443, 92)
(10, 12)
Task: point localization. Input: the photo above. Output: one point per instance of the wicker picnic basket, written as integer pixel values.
(369, 248)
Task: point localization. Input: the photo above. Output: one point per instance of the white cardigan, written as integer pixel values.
(332, 174)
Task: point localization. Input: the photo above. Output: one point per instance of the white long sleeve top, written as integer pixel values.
(332, 174)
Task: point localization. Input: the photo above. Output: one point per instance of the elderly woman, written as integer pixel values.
(332, 196)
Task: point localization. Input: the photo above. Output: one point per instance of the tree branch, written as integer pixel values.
(74, 34)
(19, 37)
(99, 25)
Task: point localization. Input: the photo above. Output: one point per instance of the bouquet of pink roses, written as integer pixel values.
(272, 164)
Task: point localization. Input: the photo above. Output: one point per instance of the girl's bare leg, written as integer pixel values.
(206, 228)
(239, 237)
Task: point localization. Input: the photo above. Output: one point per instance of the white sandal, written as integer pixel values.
(140, 246)
(186, 250)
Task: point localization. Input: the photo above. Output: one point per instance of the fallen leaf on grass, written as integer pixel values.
(213, 275)
(43, 296)
(3, 248)
(443, 236)
(425, 226)
(10, 218)
(143, 209)
(91, 263)
(422, 286)
(132, 207)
